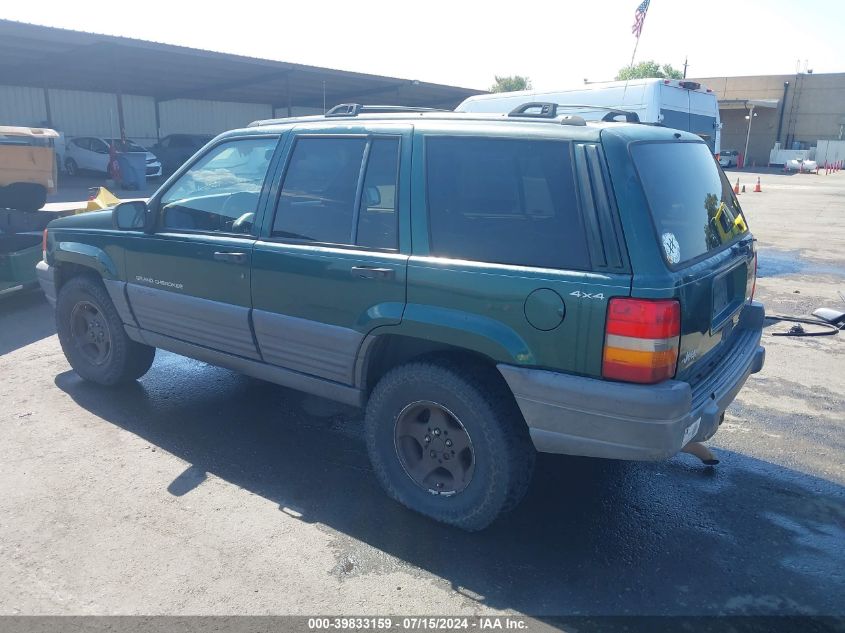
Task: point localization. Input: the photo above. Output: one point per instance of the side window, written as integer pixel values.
(378, 224)
(317, 201)
(220, 191)
(82, 143)
(504, 201)
(99, 146)
(320, 199)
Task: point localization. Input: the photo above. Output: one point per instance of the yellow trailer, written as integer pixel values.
(27, 167)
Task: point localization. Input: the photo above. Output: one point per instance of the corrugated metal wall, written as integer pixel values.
(192, 116)
(297, 111)
(139, 116)
(78, 113)
(22, 106)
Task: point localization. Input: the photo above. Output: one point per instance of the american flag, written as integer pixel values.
(639, 18)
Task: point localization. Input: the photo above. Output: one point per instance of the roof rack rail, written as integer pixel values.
(612, 113)
(354, 109)
(545, 111)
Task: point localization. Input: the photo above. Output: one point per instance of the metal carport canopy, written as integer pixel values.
(46, 57)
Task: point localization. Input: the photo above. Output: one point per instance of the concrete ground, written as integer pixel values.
(199, 491)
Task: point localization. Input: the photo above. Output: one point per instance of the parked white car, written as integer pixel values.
(728, 158)
(91, 153)
(805, 165)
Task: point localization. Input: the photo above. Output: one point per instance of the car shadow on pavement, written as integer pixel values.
(592, 536)
(25, 318)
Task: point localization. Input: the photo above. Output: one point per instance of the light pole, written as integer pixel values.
(750, 116)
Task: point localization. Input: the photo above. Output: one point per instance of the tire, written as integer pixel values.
(470, 396)
(92, 336)
(71, 168)
(25, 196)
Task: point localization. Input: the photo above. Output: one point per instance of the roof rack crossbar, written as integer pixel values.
(354, 109)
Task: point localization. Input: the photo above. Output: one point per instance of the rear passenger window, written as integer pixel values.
(377, 221)
(321, 200)
(504, 201)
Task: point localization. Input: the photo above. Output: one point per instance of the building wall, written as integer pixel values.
(192, 116)
(763, 129)
(22, 106)
(139, 116)
(78, 113)
(81, 113)
(814, 109)
(281, 113)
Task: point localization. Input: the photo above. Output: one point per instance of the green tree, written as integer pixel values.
(646, 70)
(511, 83)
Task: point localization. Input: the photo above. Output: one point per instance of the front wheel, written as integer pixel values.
(92, 336)
(448, 441)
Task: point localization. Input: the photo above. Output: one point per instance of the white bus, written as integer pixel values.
(676, 103)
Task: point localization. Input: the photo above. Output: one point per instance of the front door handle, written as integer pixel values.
(232, 258)
(370, 272)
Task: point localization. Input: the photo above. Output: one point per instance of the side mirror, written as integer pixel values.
(133, 215)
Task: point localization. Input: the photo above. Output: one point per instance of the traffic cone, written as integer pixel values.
(736, 187)
(757, 188)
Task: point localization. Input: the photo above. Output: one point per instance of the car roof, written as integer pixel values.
(447, 122)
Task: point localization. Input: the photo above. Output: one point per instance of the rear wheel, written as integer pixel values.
(92, 336)
(71, 167)
(448, 441)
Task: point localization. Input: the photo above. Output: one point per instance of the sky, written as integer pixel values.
(466, 42)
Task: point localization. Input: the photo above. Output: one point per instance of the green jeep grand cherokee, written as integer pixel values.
(487, 286)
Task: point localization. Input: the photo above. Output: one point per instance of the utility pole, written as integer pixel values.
(751, 116)
(686, 58)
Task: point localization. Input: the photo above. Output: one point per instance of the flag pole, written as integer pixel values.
(634, 54)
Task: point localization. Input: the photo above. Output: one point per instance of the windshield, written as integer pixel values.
(692, 203)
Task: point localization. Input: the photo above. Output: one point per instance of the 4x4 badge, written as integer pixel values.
(587, 295)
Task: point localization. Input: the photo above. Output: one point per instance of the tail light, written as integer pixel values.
(643, 335)
(44, 245)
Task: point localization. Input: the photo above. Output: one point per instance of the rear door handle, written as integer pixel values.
(370, 272)
(232, 258)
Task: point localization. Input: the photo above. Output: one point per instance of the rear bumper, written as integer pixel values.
(47, 280)
(575, 415)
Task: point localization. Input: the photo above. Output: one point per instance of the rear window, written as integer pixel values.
(504, 201)
(691, 201)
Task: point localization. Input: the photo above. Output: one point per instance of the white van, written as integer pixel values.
(676, 103)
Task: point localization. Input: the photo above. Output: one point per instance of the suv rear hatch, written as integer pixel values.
(705, 254)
